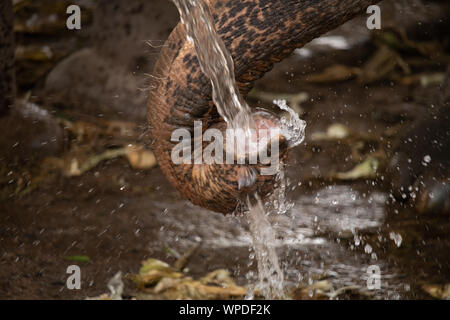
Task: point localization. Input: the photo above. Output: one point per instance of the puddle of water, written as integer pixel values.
(323, 233)
(340, 209)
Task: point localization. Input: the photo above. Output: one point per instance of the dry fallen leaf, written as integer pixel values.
(323, 290)
(159, 280)
(335, 131)
(365, 170)
(334, 73)
(152, 271)
(438, 291)
(139, 157)
(383, 62)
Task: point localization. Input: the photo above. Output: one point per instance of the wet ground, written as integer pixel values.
(118, 216)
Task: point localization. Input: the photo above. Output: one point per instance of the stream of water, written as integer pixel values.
(271, 278)
(217, 64)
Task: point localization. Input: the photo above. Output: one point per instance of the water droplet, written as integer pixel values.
(397, 238)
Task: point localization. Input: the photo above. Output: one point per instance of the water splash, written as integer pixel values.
(279, 203)
(293, 129)
(271, 278)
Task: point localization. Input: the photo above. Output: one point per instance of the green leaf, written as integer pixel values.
(78, 258)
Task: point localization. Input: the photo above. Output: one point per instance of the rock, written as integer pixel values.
(110, 77)
(91, 83)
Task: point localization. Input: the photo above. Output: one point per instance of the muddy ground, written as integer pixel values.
(117, 216)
